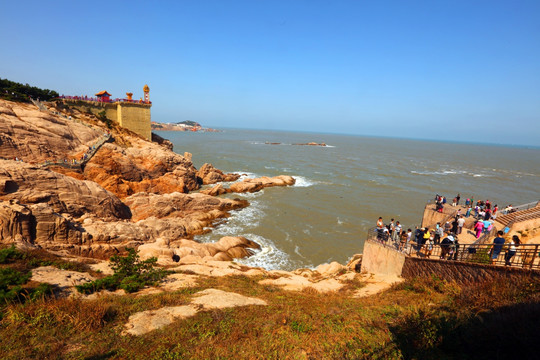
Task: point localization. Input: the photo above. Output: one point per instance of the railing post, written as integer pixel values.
(534, 256)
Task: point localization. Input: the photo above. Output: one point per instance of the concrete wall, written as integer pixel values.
(135, 117)
(460, 272)
(379, 259)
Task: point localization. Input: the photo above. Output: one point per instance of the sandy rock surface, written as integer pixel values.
(64, 280)
(146, 321)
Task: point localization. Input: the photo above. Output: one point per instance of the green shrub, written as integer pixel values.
(9, 254)
(10, 284)
(130, 274)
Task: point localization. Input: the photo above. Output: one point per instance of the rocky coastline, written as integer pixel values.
(130, 193)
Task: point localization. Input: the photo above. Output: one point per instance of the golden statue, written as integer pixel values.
(129, 96)
(146, 88)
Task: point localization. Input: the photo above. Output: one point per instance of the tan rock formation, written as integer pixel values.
(176, 205)
(142, 167)
(210, 175)
(214, 191)
(253, 185)
(63, 194)
(35, 136)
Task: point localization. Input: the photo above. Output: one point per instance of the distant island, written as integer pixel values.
(186, 125)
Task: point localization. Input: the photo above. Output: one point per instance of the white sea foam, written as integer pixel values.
(297, 251)
(303, 182)
(239, 220)
(269, 257)
(339, 222)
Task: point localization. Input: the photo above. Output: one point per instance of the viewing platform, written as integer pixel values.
(127, 112)
(467, 258)
(107, 100)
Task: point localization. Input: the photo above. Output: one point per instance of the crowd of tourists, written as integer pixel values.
(423, 240)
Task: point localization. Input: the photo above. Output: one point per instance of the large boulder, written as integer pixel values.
(208, 174)
(253, 185)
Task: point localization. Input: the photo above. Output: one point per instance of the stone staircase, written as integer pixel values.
(520, 215)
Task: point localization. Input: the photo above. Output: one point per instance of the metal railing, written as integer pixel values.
(525, 206)
(526, 256)
(98, 100)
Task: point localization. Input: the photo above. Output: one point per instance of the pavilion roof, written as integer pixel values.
(102, 93)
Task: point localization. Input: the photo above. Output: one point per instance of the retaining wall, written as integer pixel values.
(460, 272)
(380, 259)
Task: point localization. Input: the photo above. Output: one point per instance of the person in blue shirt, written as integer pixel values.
(497, 246)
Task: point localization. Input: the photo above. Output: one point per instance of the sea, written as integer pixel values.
(342, 188)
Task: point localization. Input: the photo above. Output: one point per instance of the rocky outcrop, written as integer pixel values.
(130, 192)
(208, 174)
(226, 249)
(142, 167)
(215, 190)
(29, 184)
(253, 185)
(179, 205)
(35, 136)
(167, 144)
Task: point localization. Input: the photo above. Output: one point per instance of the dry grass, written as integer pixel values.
(420, 318)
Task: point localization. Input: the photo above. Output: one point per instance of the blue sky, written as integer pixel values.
(449, 70)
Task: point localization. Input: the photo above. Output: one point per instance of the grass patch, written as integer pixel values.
(417, 319)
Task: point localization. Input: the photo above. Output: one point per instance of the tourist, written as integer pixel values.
(487, 216)
(419, 236)
(468, 213)
(460, 223)
(454, 202)
(380, 226)
(409, 236)
(497, 246)
(458, 196)
(429, 246)
(427, 235)
(447, 227)
(481, 214)
(512, 249)
(445, 246)
(478, 227)
(402, 240)
(454, 227)
(454, 248)
(390, 228)
(397, 231)
(488, 225)
(385, 234)
(439, 233)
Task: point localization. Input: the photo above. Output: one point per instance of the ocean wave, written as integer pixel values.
(236, 223)
(450, 172)
(268, 257)
(303, 182)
